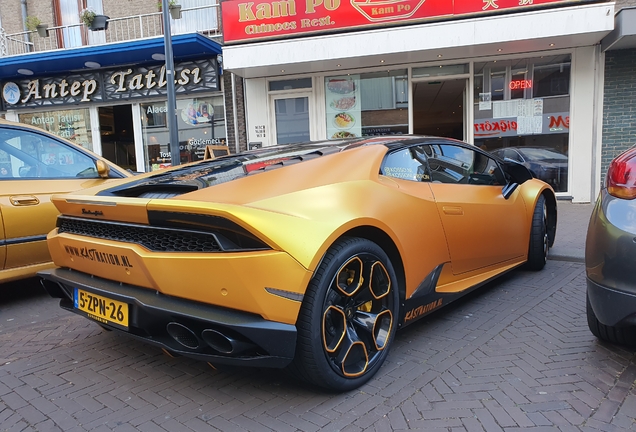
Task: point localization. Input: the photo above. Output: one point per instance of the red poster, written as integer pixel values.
(253, 20)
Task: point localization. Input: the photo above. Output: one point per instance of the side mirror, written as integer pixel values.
(518, 173)
(102, 168)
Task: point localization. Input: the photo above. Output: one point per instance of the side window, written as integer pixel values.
(460, 165)
(28, 155)
(486, 171)
(407, 164)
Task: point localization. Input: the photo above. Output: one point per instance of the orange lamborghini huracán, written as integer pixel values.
(308, 256)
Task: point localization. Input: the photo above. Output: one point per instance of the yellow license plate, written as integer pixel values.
(102, 309)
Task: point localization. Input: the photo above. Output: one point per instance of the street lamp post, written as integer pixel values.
(171, 112)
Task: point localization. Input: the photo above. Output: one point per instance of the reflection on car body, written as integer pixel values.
(544, 163)
(308, 256)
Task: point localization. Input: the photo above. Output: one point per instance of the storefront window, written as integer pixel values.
(497, 80)
(441, 70)
(522, 112)
(201, 122)
(290, 84)
(552, 80)
(74, 125)
(518, 84)
(367, 104)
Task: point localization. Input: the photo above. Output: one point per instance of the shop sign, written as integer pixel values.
(143, 82)
(48, 91)
(109, 85)
(515, 126)
(246, 20)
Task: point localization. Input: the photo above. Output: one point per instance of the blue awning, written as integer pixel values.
(189, 46)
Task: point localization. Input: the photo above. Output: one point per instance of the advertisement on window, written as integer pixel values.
(342, 95)
(201, 124)
(74, 125)
(545, 124)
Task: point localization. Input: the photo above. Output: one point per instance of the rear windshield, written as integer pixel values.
(216, 171)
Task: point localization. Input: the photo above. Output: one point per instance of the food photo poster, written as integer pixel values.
(342, 94)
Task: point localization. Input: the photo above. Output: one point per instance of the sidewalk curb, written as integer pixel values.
(569, 258)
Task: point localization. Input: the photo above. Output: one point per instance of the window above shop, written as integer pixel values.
(523, 78)
(290, 84)
(441, 70)
(551, 80)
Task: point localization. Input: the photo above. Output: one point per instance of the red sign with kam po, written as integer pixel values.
(255, 20)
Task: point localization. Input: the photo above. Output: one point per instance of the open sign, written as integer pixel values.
(520, 84)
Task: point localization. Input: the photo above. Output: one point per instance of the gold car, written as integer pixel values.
(308, 255)
(33, 165)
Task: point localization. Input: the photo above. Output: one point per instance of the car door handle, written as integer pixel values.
(453, 210)
(24, 200)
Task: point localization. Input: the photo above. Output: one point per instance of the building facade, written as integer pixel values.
(524, 77)
(106, 89)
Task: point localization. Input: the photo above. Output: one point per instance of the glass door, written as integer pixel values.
(439, 107)
(291, 118)
(117, 136)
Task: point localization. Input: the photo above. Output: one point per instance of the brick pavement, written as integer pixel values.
(572, 221)
(516, 354)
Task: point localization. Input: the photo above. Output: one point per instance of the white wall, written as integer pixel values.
(557, 28)
(257, 111)
(584, 123)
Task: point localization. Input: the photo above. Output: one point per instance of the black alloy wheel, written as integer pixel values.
(348, 318)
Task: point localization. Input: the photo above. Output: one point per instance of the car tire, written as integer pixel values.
(348, 318)
(616, 335)
(539, 240)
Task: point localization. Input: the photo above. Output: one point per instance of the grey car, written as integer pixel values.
(610, 255)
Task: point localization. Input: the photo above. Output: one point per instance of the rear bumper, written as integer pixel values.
(612, 307)
(214, 334)
(610, 260)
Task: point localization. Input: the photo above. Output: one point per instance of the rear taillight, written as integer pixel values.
(621, 176)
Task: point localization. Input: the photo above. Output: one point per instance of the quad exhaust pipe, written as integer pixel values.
(215, 339)
(225, 344)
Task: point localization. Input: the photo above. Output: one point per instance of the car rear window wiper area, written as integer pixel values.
(156, 190)
(213, 172)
